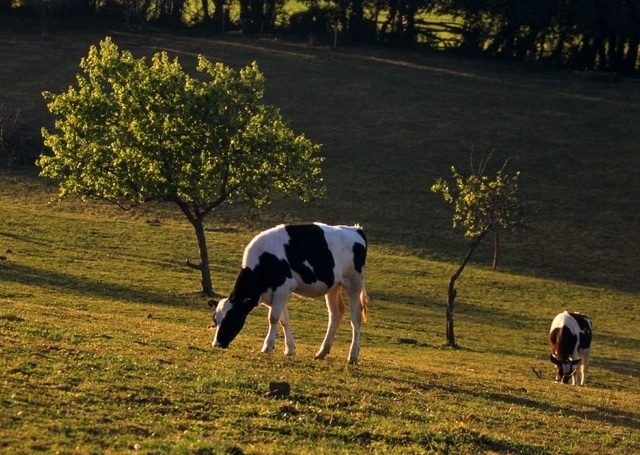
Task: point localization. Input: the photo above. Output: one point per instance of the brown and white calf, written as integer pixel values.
(570, 343)
(311, 260)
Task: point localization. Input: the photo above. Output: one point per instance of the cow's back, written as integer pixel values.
(569, 333)
(309, 253)
(586, 332)
(272, 241)
(348, 245)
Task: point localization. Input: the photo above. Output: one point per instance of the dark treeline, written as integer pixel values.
(578, 34)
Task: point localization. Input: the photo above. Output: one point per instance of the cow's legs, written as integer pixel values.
(356, 319)
(584, 367)
(289, 342)
(277, 311)
(335, 307)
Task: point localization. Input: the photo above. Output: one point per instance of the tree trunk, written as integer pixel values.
(218, 19)
(496, 248)
(196, 218)
(205, 11)
(451, 295)
(207, 285)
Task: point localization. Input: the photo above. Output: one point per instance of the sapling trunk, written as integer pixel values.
(451, 294)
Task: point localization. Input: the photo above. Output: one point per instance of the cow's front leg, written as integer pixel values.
(270, 339)
(583, 368)
(289, 342)
(335, 307)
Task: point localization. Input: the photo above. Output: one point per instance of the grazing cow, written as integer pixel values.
(570, 341)
(310, 260)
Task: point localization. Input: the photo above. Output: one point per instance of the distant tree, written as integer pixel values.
(399, 25)
(133, 132)
(586, 34)
(17, 143)
(258, 16)
(481, 206)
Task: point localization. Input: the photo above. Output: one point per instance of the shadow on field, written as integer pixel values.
(22, 238)
(609, 414)
(604, 411)
(508, 319)
(623, 367)
(50, 280)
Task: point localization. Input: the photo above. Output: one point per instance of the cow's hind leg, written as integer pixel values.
(335, 307)
(289, 342)
(357, 309)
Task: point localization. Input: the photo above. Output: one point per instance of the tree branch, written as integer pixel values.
(470, 251)
(188, 263)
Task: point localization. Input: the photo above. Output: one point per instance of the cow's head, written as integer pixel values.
(565, 369)
(228, 320)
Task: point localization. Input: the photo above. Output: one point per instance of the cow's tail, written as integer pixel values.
(364, 301)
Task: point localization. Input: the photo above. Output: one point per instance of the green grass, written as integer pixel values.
(104, 346)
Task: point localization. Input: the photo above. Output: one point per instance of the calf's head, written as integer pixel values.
(565, 369)
(228, 320)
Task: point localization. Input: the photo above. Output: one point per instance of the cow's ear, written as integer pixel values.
(554, 360)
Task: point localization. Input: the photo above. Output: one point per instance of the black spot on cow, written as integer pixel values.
(273, 272)
(585, 329)
(245, 289)
(359, 256)
(270, 272)
(360, 252)
(308, 254)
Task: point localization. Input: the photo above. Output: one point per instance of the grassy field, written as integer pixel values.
(104, 346)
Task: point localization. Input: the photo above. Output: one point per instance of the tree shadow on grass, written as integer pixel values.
(602, 413)
(22, 238)
(51, 280)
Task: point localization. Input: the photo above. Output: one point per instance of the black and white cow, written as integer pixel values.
(308, 259)
(570, 342)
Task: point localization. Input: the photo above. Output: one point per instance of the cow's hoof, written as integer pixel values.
(267, 349)
(289, 352)
(352, 361)
(320, 356)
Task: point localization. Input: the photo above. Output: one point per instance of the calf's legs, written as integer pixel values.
(580, 378)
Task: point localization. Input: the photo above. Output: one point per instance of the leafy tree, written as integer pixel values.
(481, 206)
(132, 132)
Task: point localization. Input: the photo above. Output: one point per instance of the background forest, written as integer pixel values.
(578, 34)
